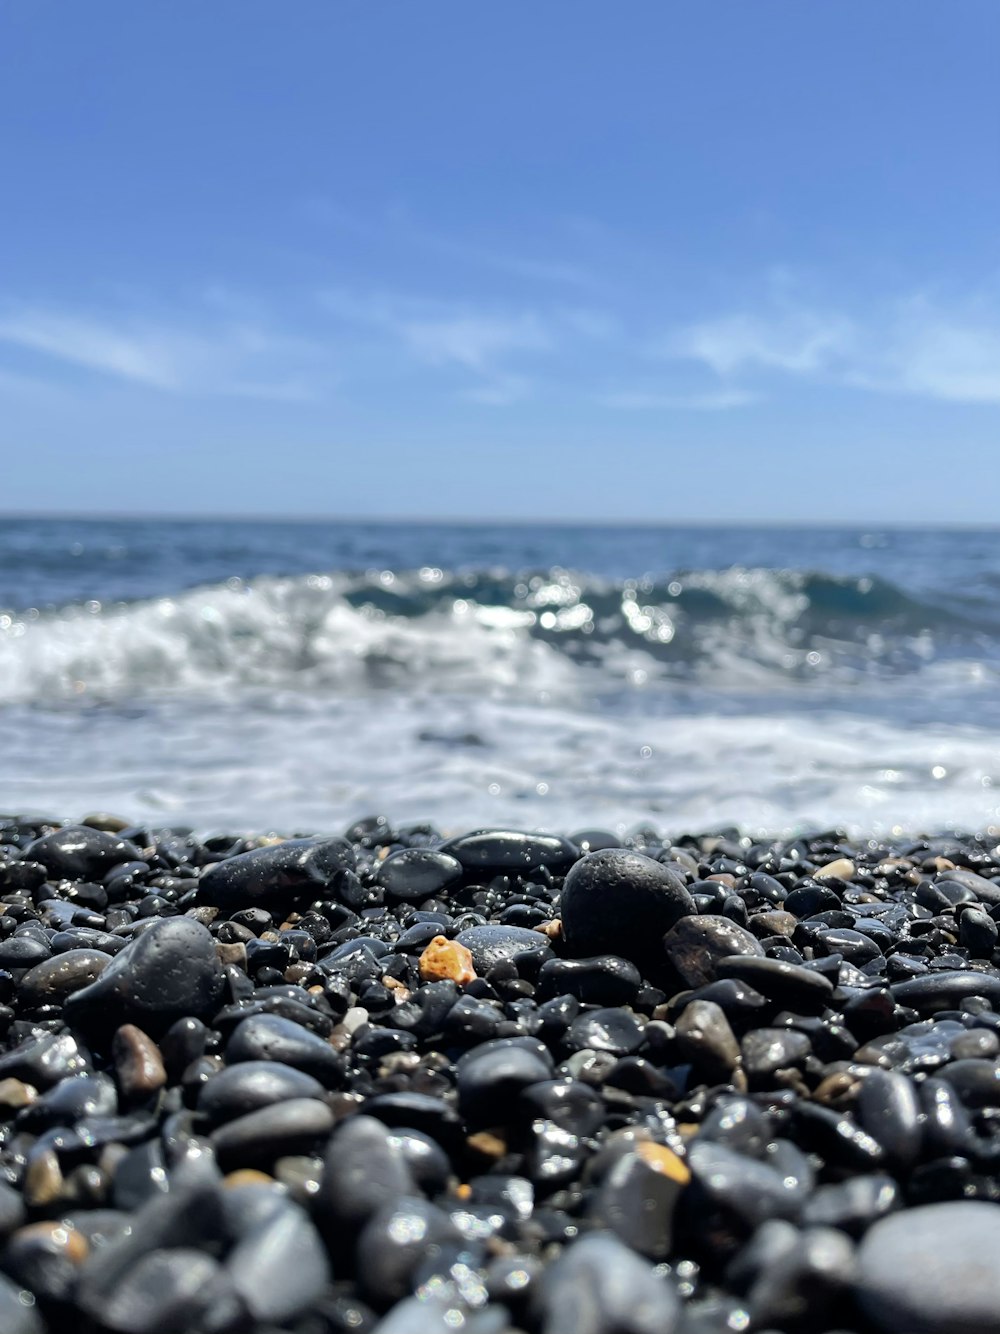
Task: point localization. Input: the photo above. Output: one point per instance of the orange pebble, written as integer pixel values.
(662, 1159)
(445, 958)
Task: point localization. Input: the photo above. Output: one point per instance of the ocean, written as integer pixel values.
(295, 676)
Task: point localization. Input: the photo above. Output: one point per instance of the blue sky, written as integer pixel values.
(665, 260)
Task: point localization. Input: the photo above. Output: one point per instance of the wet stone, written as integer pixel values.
(695, 946)
(705, 1037)
(279, 1266)
(490, 945)
(168, 972)
(297, 1125)
(269, 1037)
(605, 979)
(491, 1076)
(599, 1284)
(78, 853)
(499, 850)
(250, 1085)
(932, 1270)
(790, 985)
(50, 982)
(767, 1050)
(607, 1029)
(417, 874)
(282, 876)
(138, 1063)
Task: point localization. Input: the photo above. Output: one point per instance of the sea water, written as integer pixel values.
(295, 676)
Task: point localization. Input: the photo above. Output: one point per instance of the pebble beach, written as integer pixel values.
(385, 1080)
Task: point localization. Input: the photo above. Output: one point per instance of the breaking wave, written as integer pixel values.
(496, 633)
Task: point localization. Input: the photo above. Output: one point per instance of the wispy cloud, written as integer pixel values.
(488, 344)
(235, 360)
(913, 346)
(718, 400)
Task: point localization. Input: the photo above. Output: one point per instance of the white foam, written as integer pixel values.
(285, 761)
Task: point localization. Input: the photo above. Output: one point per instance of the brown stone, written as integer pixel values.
(138, 1062)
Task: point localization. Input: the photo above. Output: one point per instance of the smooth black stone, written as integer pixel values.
(787, 984)
(977, 1082)
(21, 952)
(856, 948)
(417, 874)
(889, 1110)
(473, 1020)
(37, 1259)
(977, 932)
(609, 1029)
(808, 1285)
(279, 1267)
(22, 875)
(984, 889)
(189, 1215)
(619, 902)
(742, 1004)
(44, 1060)
(736, 1123)
(427, 1161)
(490, 1077)
(490, 945)
(50, 982)
(182, 1288)
(946, 990)
(595, 840)
(748, 1191)
(140, 1176)
(394, 1241)
(694, 946)
(853, 1205)
(837, 1138)
(18, 1314)
(637, 1203)
(265, 1001)
(269, 1037)
(569, 1104)
(808, 900)
(365, 1168)
(297, 1125)
(416, 1111)
(13, 1211)
(69, 1101)
(78, 853)
(606, 979)
(250, 1085)
(498, 850)
(599, 1285)
(767, 1050)
(281, 876)
(931, 1270)
(168, 972)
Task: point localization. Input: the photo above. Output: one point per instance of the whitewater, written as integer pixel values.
(297, 676)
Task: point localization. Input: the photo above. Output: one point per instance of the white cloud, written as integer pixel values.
(234, 360)
(912, 347)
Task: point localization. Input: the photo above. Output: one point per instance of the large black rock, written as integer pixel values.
(168, 972)
(281, 876)
(620, 902)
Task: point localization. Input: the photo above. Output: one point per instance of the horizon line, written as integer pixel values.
(500, 521)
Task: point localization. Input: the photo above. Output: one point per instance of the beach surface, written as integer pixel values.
(386, 1080)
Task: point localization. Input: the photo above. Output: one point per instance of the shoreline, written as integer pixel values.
(404, 1083)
